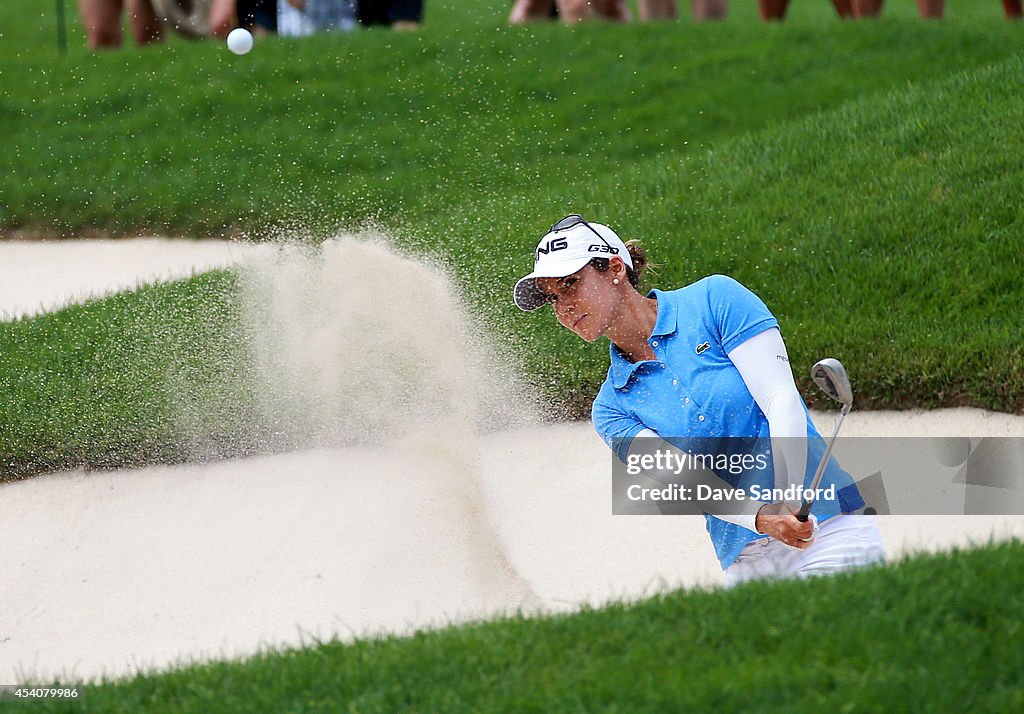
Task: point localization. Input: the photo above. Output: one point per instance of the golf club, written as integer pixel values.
(830, 375)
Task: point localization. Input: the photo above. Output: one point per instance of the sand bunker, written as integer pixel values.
(105, 573)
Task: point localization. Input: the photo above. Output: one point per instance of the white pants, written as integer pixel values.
(843, 542)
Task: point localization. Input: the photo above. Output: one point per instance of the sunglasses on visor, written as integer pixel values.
(575, 219)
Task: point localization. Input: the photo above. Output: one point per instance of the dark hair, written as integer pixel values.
(637, 254)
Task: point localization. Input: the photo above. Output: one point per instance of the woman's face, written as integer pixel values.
(584, 302)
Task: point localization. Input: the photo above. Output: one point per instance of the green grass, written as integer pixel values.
(138, 378)
(883, 231)
(933, 633)
(332, 131)
(861, 177)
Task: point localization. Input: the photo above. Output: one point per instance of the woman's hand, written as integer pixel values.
(780, 522)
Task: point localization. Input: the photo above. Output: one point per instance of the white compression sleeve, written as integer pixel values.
(763, 363)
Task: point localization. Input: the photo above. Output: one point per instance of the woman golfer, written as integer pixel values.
(706, 361)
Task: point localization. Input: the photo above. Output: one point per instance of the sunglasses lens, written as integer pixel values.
(568, 222)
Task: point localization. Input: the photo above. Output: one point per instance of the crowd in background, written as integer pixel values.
(617, 10)
(148, 18)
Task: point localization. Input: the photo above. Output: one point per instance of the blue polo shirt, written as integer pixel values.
(694, 391)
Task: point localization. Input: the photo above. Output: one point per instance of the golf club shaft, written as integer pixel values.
(805, 509)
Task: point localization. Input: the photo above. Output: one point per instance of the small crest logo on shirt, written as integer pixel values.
(702, 348)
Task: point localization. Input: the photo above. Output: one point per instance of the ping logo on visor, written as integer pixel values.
(551, 246)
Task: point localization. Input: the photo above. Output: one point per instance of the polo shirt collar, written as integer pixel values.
(664, 324)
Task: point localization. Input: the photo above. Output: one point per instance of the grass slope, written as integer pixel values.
(883, 231)
(335, 130)
(132, 379)
(886, 232)
(933, 633)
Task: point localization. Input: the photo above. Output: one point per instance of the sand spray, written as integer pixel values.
(355, 343)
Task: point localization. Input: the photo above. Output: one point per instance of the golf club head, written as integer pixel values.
(830, 375)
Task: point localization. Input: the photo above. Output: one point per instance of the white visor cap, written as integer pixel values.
(564, 252)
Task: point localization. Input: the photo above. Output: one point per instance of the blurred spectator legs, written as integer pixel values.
(257, 16)
(709, 9)
(657, 9)
(580, 10)
(616, 10)
(667, 10)
(866, 8)
(773, 9)
(929, 9)
(776, 9)
(102, 22)
(530, 11)
(571, 10)
(577, 10)
(222, 17)
(146, 26)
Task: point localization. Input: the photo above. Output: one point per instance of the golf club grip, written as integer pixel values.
(804, 514)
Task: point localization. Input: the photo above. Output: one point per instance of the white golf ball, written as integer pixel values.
(239, 41)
